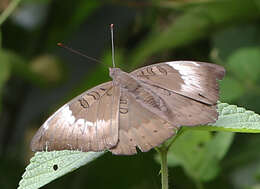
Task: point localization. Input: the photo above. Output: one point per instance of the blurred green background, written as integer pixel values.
(36, 77)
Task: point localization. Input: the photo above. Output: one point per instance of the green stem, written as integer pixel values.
(8, 11)
(163, 150)
(173, 139)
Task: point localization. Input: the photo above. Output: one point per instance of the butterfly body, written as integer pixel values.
(138, 109)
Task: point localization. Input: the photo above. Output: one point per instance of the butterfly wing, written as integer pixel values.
(196, 80)
(139, 127)
(189, 89)
(89, 122)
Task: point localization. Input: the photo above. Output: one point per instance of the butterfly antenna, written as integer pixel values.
(112, 44)
(79, 53)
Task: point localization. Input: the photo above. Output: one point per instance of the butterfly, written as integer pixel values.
(140, 109)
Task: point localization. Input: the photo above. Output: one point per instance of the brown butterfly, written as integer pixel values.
(138, 109)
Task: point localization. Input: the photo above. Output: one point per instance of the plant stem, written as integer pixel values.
(173, 139)
(163, 150)
(8, 11)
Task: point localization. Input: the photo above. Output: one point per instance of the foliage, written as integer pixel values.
(47, 166)
(35, 78)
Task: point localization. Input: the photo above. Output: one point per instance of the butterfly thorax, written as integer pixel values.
(123, 79)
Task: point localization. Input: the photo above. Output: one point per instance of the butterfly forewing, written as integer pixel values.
(189, 89)
(88, 123)
(196, 80)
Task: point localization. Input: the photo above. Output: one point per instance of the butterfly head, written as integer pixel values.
(116, 75)
(114, 72)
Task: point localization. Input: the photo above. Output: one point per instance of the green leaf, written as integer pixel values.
(234, 119)
(199, 153)
(45, 167)
(230, 39)
(255, 187)
(194, 24)
(230, 89)
(244, 63)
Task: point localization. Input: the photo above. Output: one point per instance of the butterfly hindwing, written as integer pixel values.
(89, 122)
(139, 127)
(185, 111)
